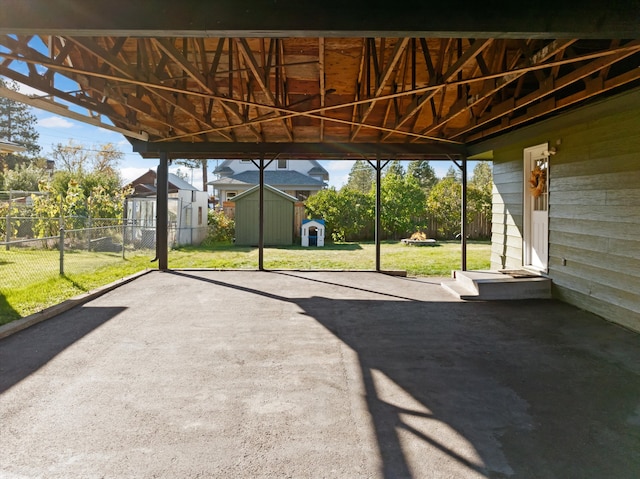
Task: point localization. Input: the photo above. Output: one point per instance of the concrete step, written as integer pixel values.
(496, 285)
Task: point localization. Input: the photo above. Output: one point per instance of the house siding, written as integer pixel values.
(594, 206)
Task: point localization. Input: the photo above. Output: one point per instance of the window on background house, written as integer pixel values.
(199, 215)
(230, 194)
(282, 164)
(302, 195)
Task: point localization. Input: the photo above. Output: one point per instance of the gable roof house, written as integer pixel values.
(297, 178)
(187, 208)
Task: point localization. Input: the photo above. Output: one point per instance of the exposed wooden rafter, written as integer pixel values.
(356, 90)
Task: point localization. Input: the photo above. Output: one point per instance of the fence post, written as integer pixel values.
(89, 225)
(61, 251)
(8, 231)
(124, 225)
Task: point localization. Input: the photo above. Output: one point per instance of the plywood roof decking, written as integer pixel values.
(320, 90)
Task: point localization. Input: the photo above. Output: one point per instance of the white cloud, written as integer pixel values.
(338, 171)
(131, 173)
(55, 122)
(29, 91)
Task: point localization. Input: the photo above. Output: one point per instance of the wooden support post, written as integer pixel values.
(162, 209)
(378, 166)
(462, 165)
(378, 210)
(261, 217)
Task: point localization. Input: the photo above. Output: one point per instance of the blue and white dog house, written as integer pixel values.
(312, 233)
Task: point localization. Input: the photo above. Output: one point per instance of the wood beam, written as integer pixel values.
(535, 59)
(258, 75)
(382, 81)
(474, 49)
(541, 19)
(560, 83)
(168, 47)
(321, 79)
(128, 71)
(345, 151)
(63, 111)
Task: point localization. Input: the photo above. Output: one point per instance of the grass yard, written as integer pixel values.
(436, 260)
(30, 279)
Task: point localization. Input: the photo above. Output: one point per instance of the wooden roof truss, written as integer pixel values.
(355, 90)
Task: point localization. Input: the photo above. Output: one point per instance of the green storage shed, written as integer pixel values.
(278, 217)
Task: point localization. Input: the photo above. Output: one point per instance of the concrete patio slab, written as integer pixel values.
(301, 374)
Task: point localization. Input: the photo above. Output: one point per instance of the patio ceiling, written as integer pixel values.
(255, 84)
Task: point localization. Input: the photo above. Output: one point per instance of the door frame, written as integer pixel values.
(530, 155)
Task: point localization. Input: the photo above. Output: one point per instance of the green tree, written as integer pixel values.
(454, 172)
(87, 185)
(361, 177)
(348, 213)
(482, 177)
(106, 160)
(444, 205)
(480, 194)
(394, 167)
(25, 177)
(424, 173)
(17, 125)
(403, 205)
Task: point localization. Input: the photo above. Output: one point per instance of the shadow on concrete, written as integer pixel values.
(535, 388)
(26, 351)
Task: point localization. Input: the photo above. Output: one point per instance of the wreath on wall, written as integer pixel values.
(538, 181)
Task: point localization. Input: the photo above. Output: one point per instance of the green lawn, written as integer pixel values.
(436, 260)
(30, 279)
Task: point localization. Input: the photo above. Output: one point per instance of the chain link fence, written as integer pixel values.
(78, 251)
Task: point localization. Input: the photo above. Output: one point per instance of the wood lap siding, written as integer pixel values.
(595, 217)
(594, 210)
(506, 222)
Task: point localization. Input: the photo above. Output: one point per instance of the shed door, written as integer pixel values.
(536, 207)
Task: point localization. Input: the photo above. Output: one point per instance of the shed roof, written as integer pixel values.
(275, 178)
(276, 191)
(9, 147)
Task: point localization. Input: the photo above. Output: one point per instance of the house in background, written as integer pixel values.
(187, 210)
(566, 204)
(297, 178)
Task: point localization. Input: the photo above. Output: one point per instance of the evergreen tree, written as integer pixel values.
(480, 193)
(482, 176)
(454, 172)
(424, 173)
(17, 125)
(361, 177)
(394, 167)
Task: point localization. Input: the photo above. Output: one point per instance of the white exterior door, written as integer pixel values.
(536, 208)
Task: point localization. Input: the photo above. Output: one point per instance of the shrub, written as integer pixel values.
(221, 228)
